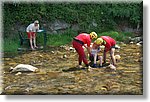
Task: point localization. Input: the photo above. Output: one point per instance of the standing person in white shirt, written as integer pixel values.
(31, 31)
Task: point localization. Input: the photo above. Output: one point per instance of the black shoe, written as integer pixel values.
(94, 66)
(100, 66)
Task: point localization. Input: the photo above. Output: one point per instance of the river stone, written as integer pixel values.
(138, 44)
(19, 73)
(117, 57)
(112, 67)
(64, 56)
(52, 52)
(71, 48)
(24, 68)
(117, 46)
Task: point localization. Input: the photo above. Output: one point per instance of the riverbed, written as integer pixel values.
(58, 73)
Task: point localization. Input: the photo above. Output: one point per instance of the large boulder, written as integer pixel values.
(135, 39)
(24, 68)
(59, 25)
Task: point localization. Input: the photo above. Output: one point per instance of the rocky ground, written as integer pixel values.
(58, 73)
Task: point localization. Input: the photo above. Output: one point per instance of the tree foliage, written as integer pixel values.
(106, 16)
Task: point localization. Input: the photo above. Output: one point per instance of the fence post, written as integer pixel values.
(45, 39)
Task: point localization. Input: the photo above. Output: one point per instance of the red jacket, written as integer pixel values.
(110, 42)
(85, 38)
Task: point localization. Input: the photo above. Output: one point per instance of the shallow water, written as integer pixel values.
(58, 74)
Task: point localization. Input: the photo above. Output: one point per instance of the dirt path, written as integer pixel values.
(58, 74)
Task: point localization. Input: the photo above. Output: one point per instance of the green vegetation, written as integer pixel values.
(118, 36)
(62, 39)
(107, 17)
(10, 45)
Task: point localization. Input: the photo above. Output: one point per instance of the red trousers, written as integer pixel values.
(80, 52)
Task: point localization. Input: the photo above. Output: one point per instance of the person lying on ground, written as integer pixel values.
(94, 57)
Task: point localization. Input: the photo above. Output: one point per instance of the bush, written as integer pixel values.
(102, 18)
(105, 15)
(118, 36)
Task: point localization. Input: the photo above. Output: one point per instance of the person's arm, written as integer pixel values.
(95, 57)
(104, 56)
(85, 45)
(88, 49)
(37, 28)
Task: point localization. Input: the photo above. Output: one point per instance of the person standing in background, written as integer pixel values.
(31, 32)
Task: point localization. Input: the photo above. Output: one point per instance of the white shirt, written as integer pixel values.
(32, 28)
(94, 51)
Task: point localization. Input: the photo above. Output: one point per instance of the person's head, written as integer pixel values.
(93, 35)
(99, 41)
(36, 23)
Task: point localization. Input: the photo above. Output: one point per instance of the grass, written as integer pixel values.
(61, 39)
(118, 36)
(11, 45)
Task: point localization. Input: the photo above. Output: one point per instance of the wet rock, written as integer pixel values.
(129, 71)
(41, 56)
(136, 39)
(22, 49)
(39, 64)
(71, 48)
(117, 57)
(117, 46)
(58, 75)
(141, 42)
(101, 88)
(7, 59)
(112, 67)
(131, 42)
(64, 56)
(52, 52)
(59, 25)
(41, 73)
(60, 53)
(53, 74)
(12, 63)
(62, 46)
(24, 68)
(67, 48)
(75, 27)
(41, 47)
(69, 86)
(19, 73)
(1, 89)
(28, 89)
(138, 44)
(141, 59)
(122, 43)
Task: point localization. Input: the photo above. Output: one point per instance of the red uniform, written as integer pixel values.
(78, 42)
(85, 38)
(110, 42)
